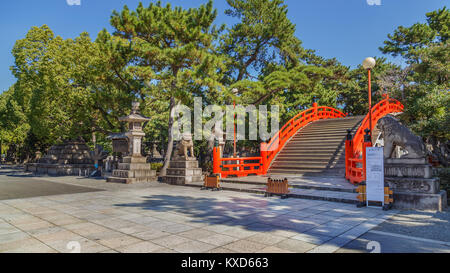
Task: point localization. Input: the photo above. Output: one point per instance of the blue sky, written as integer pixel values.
(349, 30)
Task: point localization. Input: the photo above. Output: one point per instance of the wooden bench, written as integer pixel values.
(278, 187)
(212, 182)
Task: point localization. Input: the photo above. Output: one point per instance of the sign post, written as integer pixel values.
(374, 175)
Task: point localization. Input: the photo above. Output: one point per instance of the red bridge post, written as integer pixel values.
(348, 153)
(216, 160)
(263, 150)
(367, 143)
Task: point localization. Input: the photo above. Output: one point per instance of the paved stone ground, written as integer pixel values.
(154, 217)
(410, 232)
(23, 186)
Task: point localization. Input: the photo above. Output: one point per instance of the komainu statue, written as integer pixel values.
(184, 145)
(396, 134)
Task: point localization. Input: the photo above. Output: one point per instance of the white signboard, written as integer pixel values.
(375, 174)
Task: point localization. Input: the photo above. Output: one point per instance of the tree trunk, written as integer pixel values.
(169, 148)
(94, 142)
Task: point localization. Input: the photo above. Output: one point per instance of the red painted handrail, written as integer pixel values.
(274, 146)
(354, 156)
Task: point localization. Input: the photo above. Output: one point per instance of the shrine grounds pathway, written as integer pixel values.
(58, 214)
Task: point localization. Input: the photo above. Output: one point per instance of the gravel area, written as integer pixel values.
(429, 225)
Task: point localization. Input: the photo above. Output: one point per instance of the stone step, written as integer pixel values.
(341, 120)
(302, 148)
(133, 173)
(299, 169)
(182, 180)
(292, 151)
(318, 131)
(338, 173)
(124, 180)
(312, 141)
(300, 160)
(311, 154)
(305, 136)
(319, 135)
(184, 172)
(348, 125)
(325, 122)
(314, 147)
(306, 164)
(310, 157)
(332, 125)
(308, 152)
(349, 121)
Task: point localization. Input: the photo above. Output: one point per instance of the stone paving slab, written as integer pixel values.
(161, 218)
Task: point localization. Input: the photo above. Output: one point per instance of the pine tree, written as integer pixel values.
(173, 54)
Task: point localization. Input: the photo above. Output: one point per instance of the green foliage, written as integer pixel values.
(407, 41)
(428, 113)
(54, 83)
(156, 166)
(264, 35)
(14, 126)
(444, 178)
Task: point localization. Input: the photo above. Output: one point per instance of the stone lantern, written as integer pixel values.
(134, 167)
(135, 134)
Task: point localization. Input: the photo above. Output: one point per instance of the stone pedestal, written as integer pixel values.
(413, 185)
(181, 172)
(133, 169)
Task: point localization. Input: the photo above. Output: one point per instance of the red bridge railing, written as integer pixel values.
(260, 165)
(355, 147)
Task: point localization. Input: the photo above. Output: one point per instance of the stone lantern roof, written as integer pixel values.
(134, 116)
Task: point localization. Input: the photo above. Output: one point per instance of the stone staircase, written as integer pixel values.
(316, 150)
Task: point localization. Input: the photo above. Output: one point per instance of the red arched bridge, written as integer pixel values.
(318, 141)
